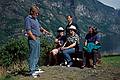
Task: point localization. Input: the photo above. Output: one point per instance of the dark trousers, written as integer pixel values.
(86, 55)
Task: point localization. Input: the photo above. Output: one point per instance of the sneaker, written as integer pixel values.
(70, 64)
(39, 71)
(94, 66)
(65, 62)
(82, 66)
(62, 64)
(34, 75)
(48, 65)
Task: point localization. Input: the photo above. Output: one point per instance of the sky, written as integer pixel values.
(113, 3)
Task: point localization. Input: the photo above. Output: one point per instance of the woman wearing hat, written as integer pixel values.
(70, 45)
(59, 41)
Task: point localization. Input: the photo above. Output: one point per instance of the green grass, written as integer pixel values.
(7, 77)
(112, 61)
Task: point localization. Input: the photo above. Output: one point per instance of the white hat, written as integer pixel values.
(60, 29)
(72, 27)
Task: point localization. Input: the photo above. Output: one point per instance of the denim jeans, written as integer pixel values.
(67, 53)
(34, 54)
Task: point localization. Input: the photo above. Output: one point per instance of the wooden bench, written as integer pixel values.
(76, 57)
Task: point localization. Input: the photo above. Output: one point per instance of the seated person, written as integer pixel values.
(59, 41)
(91, 46)
(70, 45)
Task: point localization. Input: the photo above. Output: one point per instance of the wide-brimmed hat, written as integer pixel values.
(60, 29)
(72, 27)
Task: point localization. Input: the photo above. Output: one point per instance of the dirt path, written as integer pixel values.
(109, 70)
(74, 73)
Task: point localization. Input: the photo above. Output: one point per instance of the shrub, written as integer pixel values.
(47, 44)
(14, 51)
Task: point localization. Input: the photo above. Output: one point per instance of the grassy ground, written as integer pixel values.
(109, 69)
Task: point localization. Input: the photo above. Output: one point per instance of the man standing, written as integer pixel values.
(34, 31)
(70, 22)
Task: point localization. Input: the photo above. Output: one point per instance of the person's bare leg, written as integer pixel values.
(55, 52)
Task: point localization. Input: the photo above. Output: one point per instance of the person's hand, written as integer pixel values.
(85, 43)
(96, 42)
(59, 42)
(48, 33)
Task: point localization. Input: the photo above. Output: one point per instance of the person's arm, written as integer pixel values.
(78, 30)
(64, 44)
(96, 42)
(71, 46)
(85, 43)
(86, 40)
(97, 39)
(45, 31)
(56, 40)
(29, 33)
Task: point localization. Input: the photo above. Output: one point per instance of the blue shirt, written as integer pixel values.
(32, 25)
(92, 38)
